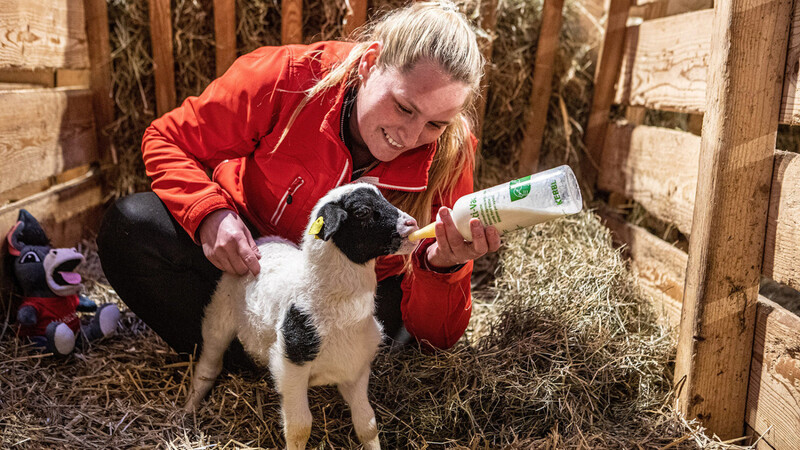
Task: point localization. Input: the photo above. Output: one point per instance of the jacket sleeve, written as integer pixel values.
(436, 307)
(226, 121)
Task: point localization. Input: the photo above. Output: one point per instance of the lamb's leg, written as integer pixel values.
(355, 394)
(219, 329)
(291, 381)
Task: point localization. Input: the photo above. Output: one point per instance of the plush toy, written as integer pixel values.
(50, 288)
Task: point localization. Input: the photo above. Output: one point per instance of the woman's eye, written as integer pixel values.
(435, 126)
(403, 109)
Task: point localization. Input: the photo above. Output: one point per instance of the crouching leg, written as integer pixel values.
(355, 394)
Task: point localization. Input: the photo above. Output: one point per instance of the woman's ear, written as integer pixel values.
(369, 60)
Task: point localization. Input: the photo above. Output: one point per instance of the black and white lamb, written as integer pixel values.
(308, 315)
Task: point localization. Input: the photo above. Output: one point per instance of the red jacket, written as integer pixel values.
(231, 130)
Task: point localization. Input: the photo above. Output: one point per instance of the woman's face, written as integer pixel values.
(396, 111)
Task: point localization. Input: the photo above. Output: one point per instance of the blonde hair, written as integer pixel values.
(434, 31)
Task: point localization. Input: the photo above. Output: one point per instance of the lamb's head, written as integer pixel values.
(358, 220)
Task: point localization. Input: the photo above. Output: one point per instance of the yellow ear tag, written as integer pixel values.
(316, 227)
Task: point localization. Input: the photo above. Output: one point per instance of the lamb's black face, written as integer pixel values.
(364, 225)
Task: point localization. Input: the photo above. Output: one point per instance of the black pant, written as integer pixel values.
(166, 280)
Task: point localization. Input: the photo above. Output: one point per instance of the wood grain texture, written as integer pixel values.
(100, 75)
(163, 59)
(605, 77)
(782, 248)
(773, 399)
(355, 16)
(43, 34)
(659, 267)
(666, 63)
(44, 132)
(546, 49)
(291, 21)
(485, 43)
(656, 167)
(68, 211)
(748, 53)
(790, 106)
(224, 34)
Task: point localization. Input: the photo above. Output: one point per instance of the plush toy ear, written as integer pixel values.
(30, 232)
(14, 246)
(333, 216)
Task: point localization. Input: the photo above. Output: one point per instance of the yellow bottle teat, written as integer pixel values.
(428, 231)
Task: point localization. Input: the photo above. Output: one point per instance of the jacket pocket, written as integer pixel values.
(286, 200)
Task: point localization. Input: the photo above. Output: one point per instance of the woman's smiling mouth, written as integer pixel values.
(391, 141)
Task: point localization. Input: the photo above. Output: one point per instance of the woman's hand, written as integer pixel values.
(450, 247)
(228, 244)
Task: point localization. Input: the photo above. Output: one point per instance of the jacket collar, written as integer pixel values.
(408, 172)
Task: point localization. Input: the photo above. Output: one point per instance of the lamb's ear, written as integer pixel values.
(333, 216)
(29, 231)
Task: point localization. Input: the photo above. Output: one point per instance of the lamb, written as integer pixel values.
(308, 315)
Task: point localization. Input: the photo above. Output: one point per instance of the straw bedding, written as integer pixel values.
(562, 350)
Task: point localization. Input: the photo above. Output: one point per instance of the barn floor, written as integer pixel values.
(562, 352)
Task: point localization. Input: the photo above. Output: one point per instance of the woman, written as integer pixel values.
(278, 130)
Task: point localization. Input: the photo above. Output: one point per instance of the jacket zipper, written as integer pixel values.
(285, 199)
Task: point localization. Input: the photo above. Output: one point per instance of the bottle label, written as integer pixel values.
(519, 188)
(556, 196)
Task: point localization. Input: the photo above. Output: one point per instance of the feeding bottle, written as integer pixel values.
(517, 204)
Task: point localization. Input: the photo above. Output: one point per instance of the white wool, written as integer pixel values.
(339, 297)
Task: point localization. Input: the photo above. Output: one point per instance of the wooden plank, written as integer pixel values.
(665, 8)
(291, 21)
(666, 62)
(666, 65)
(790, 106)
(659, 266)
(163, 60)
(355, 16)
(39, 77)
(486, 44)
(605, 76)
(43, 33)
(546, 49)
(773, 398)
(748, 55)
(225, 34)
(100, 75)
(67, 211)
(760, 444)
(781, 251)
(44, 132)
(656, 167)
(73, 78)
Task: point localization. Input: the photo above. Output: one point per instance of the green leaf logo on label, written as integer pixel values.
(520, 188)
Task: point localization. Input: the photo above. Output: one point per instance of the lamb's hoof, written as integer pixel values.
(373, 444)
(60, 339)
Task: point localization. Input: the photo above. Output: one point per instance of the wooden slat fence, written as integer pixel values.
(748, 219)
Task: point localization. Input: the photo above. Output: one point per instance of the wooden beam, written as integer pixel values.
(659, 267)
(605, 76)
(656, 167)
(781, 252)
(225, 34)
(790, 107)
(291, 22)
(43, 34)
(665, 8)
(546, 50)
(486, 44)
(163, 59)
(773, 399)
(355, 16)
(748, 53)
(44, 132)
